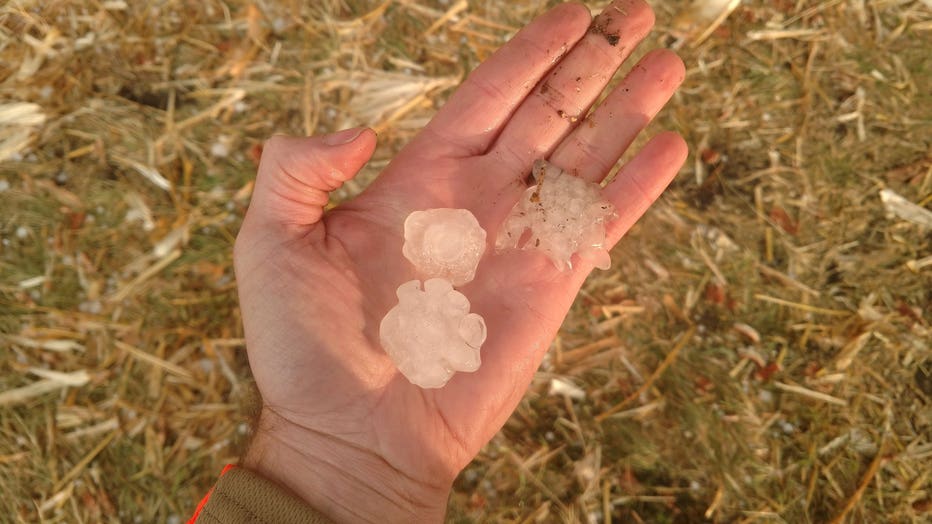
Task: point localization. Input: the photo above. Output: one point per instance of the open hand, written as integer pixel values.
(340, 426)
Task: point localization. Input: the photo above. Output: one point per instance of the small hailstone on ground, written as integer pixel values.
(220, 148)
(206, 365)
(562, 214)
(90, 306)
(430, 334)
(560, 386)
(444, 243)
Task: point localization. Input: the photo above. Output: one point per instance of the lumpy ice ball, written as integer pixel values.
(562, 214)
(430, 334)
(444, 243)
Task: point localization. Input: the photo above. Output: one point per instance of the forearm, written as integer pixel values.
(346, 483)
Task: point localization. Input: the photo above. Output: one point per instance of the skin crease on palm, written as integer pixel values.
(340, 427)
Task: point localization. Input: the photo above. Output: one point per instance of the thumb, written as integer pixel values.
(296, 175)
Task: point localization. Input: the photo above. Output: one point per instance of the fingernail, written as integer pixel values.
(343, 137)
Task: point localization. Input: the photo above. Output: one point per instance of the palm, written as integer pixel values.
(313, 296)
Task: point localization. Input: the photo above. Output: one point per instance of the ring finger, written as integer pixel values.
(592, 149)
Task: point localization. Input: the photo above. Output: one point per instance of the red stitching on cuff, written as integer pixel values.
(203, 502)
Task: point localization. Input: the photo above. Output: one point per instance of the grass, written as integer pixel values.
(758, 353)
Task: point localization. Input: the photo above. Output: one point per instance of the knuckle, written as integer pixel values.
(593, 159)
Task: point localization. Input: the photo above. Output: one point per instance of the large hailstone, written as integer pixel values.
(431, 334)
(444, 243)
(562, 214)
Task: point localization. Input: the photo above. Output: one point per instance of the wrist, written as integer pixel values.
(344, 482)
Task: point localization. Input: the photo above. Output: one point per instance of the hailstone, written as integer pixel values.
(430, 334)
(560, 215)
(444, 243)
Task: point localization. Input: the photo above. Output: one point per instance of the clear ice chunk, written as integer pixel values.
(444, 243)
(560, 215)
(430, 334)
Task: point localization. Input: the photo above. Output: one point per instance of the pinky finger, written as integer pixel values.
(641, 181)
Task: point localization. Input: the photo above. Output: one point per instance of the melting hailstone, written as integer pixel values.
(431, 334)
(444, 243)
(562, 214)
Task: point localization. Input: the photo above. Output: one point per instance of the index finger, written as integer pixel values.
(475, 114)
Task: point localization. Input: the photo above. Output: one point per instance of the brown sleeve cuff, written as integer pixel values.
(241, 496)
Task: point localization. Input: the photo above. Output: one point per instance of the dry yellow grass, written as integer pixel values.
(760, 351)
